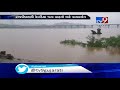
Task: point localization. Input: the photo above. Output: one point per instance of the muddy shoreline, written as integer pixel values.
(9, 58)
(17, 61)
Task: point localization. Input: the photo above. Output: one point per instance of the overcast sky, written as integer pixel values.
(113, 18)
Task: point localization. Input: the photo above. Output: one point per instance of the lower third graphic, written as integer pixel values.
(50, 68)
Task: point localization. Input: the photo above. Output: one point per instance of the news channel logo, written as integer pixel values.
(101, 19)
(21, 68)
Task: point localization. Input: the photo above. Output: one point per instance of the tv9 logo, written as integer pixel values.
(101, 19)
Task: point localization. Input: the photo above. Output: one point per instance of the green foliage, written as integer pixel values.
(93, 42)
(70, 42)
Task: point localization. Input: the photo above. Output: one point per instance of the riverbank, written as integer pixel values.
(9, 58)
(17, 61)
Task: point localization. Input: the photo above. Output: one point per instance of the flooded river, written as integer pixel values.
(43, 45)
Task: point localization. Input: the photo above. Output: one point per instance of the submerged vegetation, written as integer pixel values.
(72, 42)
(93, 42)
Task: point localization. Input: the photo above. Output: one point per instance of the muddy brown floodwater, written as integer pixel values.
(43, 45)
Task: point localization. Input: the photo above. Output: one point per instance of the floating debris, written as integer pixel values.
(98, 31)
